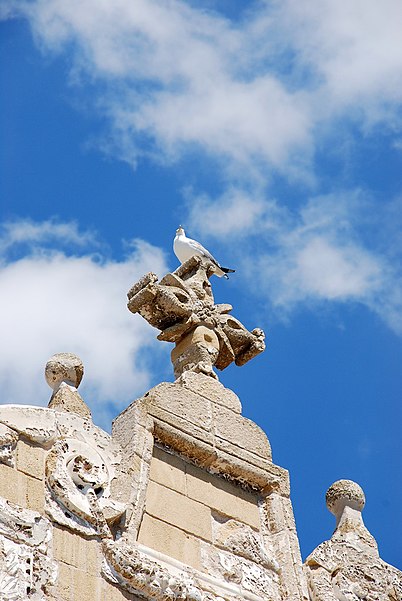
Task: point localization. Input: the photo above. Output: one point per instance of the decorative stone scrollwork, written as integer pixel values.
(78, 478)
(241, 540)
(182, 306)
(8, 443)
(127, 566)
(26, 570)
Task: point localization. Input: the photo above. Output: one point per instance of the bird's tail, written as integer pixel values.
(226, 270)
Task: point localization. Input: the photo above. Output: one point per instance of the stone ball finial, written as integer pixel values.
(344, 493)
(64, 367)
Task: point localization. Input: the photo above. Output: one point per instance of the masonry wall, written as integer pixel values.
(184, 502)
(78, 559)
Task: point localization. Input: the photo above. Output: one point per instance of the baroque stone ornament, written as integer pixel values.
(78, 476)
(8, 443)
(26, 567)
(348, 566)
(182, 306)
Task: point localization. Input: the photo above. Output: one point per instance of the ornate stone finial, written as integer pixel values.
(348, 565)
(182, 306)
(64, 367)
(344, 493)
(63, 373)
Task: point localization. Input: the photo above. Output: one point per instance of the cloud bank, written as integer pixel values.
(260, 92)
(172, 75)
(317, 253)
(68, 301)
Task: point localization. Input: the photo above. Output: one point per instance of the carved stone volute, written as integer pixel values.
(182, 306)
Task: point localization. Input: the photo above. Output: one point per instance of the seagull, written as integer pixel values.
(184, 248)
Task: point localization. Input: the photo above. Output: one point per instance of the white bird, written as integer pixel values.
(184, 248)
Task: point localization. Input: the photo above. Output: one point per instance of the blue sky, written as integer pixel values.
(273, 132)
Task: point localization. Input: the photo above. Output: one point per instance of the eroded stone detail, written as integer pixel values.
(8, 444)
(249, 576)
(133, 570)
(26, 569)
(63, 373)
(79, 477)
(241, 540)
(348, 566)
(182, 306)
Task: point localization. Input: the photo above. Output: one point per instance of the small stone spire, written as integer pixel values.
(63, 373)
(348, 565)
(346, 500)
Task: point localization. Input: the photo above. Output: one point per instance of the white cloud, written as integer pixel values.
(175, 76)
(251, 91)
(311, 255)
(233, 214)
(52, 302)
(28, 232)
(353, 50)
(256, 94)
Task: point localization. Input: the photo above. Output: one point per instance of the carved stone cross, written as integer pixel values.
(182, 306)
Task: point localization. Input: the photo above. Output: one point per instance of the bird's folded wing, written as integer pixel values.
(197, 246)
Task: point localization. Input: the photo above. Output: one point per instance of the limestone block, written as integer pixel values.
(170, 540)
(242, 432)
(279, 514)
(110, 592)
(198, 448)
(30, 460)
(13, 485)
(35, 495)
(168, 470)
(76, 551)
(86, 586)
(233, 467)
(64, 584)
(184, 424)
(182, 403)
(21, 489)
(179, 511)
(222, 496)
(242, 453)
(210, 389)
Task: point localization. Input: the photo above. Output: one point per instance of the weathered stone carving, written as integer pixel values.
(136, 572)
(8, 443)
(78, 478)
(140, 570)
(241, 540)
(81, 462)
(348, 566)
(64, 373)
(26, 569)
(182, 306)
